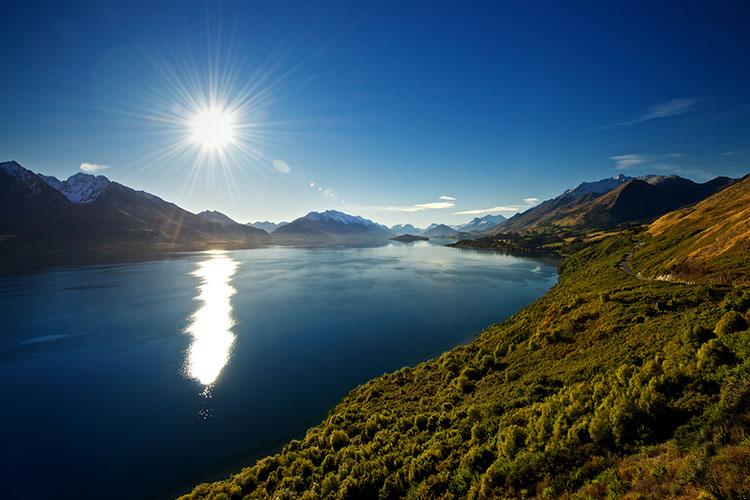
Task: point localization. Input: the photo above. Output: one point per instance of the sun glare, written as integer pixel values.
(212, 128)
(211, 325)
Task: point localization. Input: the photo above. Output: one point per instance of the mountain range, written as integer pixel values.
(610, 202)
(479, 224)
(87, 212)
(330, 227)
(267, 226)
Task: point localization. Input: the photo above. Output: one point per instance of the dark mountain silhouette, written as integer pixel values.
(36, 217)
(632, 200)
(218, 217)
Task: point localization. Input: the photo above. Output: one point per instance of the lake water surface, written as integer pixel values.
(140, 380)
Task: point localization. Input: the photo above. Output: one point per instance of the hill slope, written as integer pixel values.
(610, 202)
(606, 386)
(709, 241)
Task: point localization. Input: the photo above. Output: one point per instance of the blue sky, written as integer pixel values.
(401, 113)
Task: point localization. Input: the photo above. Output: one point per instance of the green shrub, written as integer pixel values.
(338, 439)
(731, 322)
(713, 354)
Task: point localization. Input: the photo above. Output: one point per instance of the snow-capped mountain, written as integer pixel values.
(596, 187)
(330, 225)
(79, 188)
(86, 212)
(478, 224)
(267, 225)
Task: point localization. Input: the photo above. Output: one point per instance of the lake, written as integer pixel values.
(140, 380)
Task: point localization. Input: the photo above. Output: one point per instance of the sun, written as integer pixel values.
(213, 128)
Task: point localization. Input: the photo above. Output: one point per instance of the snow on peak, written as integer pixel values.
(335, 215)
(79, 188)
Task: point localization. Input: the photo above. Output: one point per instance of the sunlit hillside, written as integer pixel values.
(708, 241)
(609, 385)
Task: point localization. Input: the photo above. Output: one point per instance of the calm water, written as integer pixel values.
(139, 380)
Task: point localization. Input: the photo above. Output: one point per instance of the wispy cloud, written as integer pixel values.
(281, 166)
(446, 198)
(417, 207)
(531, 200)
(435, 205)
(662, 110)
(491, 210)
(734, 152)
(623, 162)
(92, 168)
(630, 160)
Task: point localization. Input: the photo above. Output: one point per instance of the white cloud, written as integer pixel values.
(435, 205)
(281, 166)
(623, 162)
(92, 168)
(626, 161)
(531, 200)
(417, 207)
(492, 210)
(446, 198)
(662, 110)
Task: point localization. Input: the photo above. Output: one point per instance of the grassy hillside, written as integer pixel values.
(709, 241)
(606, 386)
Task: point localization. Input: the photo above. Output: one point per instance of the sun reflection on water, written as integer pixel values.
(211, 325)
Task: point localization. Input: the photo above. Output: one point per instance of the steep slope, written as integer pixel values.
(87, 213)
(709, 241)
(330, 226)
(479, 224)
(608, 386)
(26, 200)
(80, 187)
(635, 200)
(611, 202)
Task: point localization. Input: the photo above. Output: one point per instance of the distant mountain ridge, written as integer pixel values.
(610, 202)
(330, 226)
(216, 216)
(267, 226)
(80, 187)
(406, 229)
(478, 224)
(437, 230)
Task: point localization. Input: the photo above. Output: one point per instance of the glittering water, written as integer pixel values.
(139, 380)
